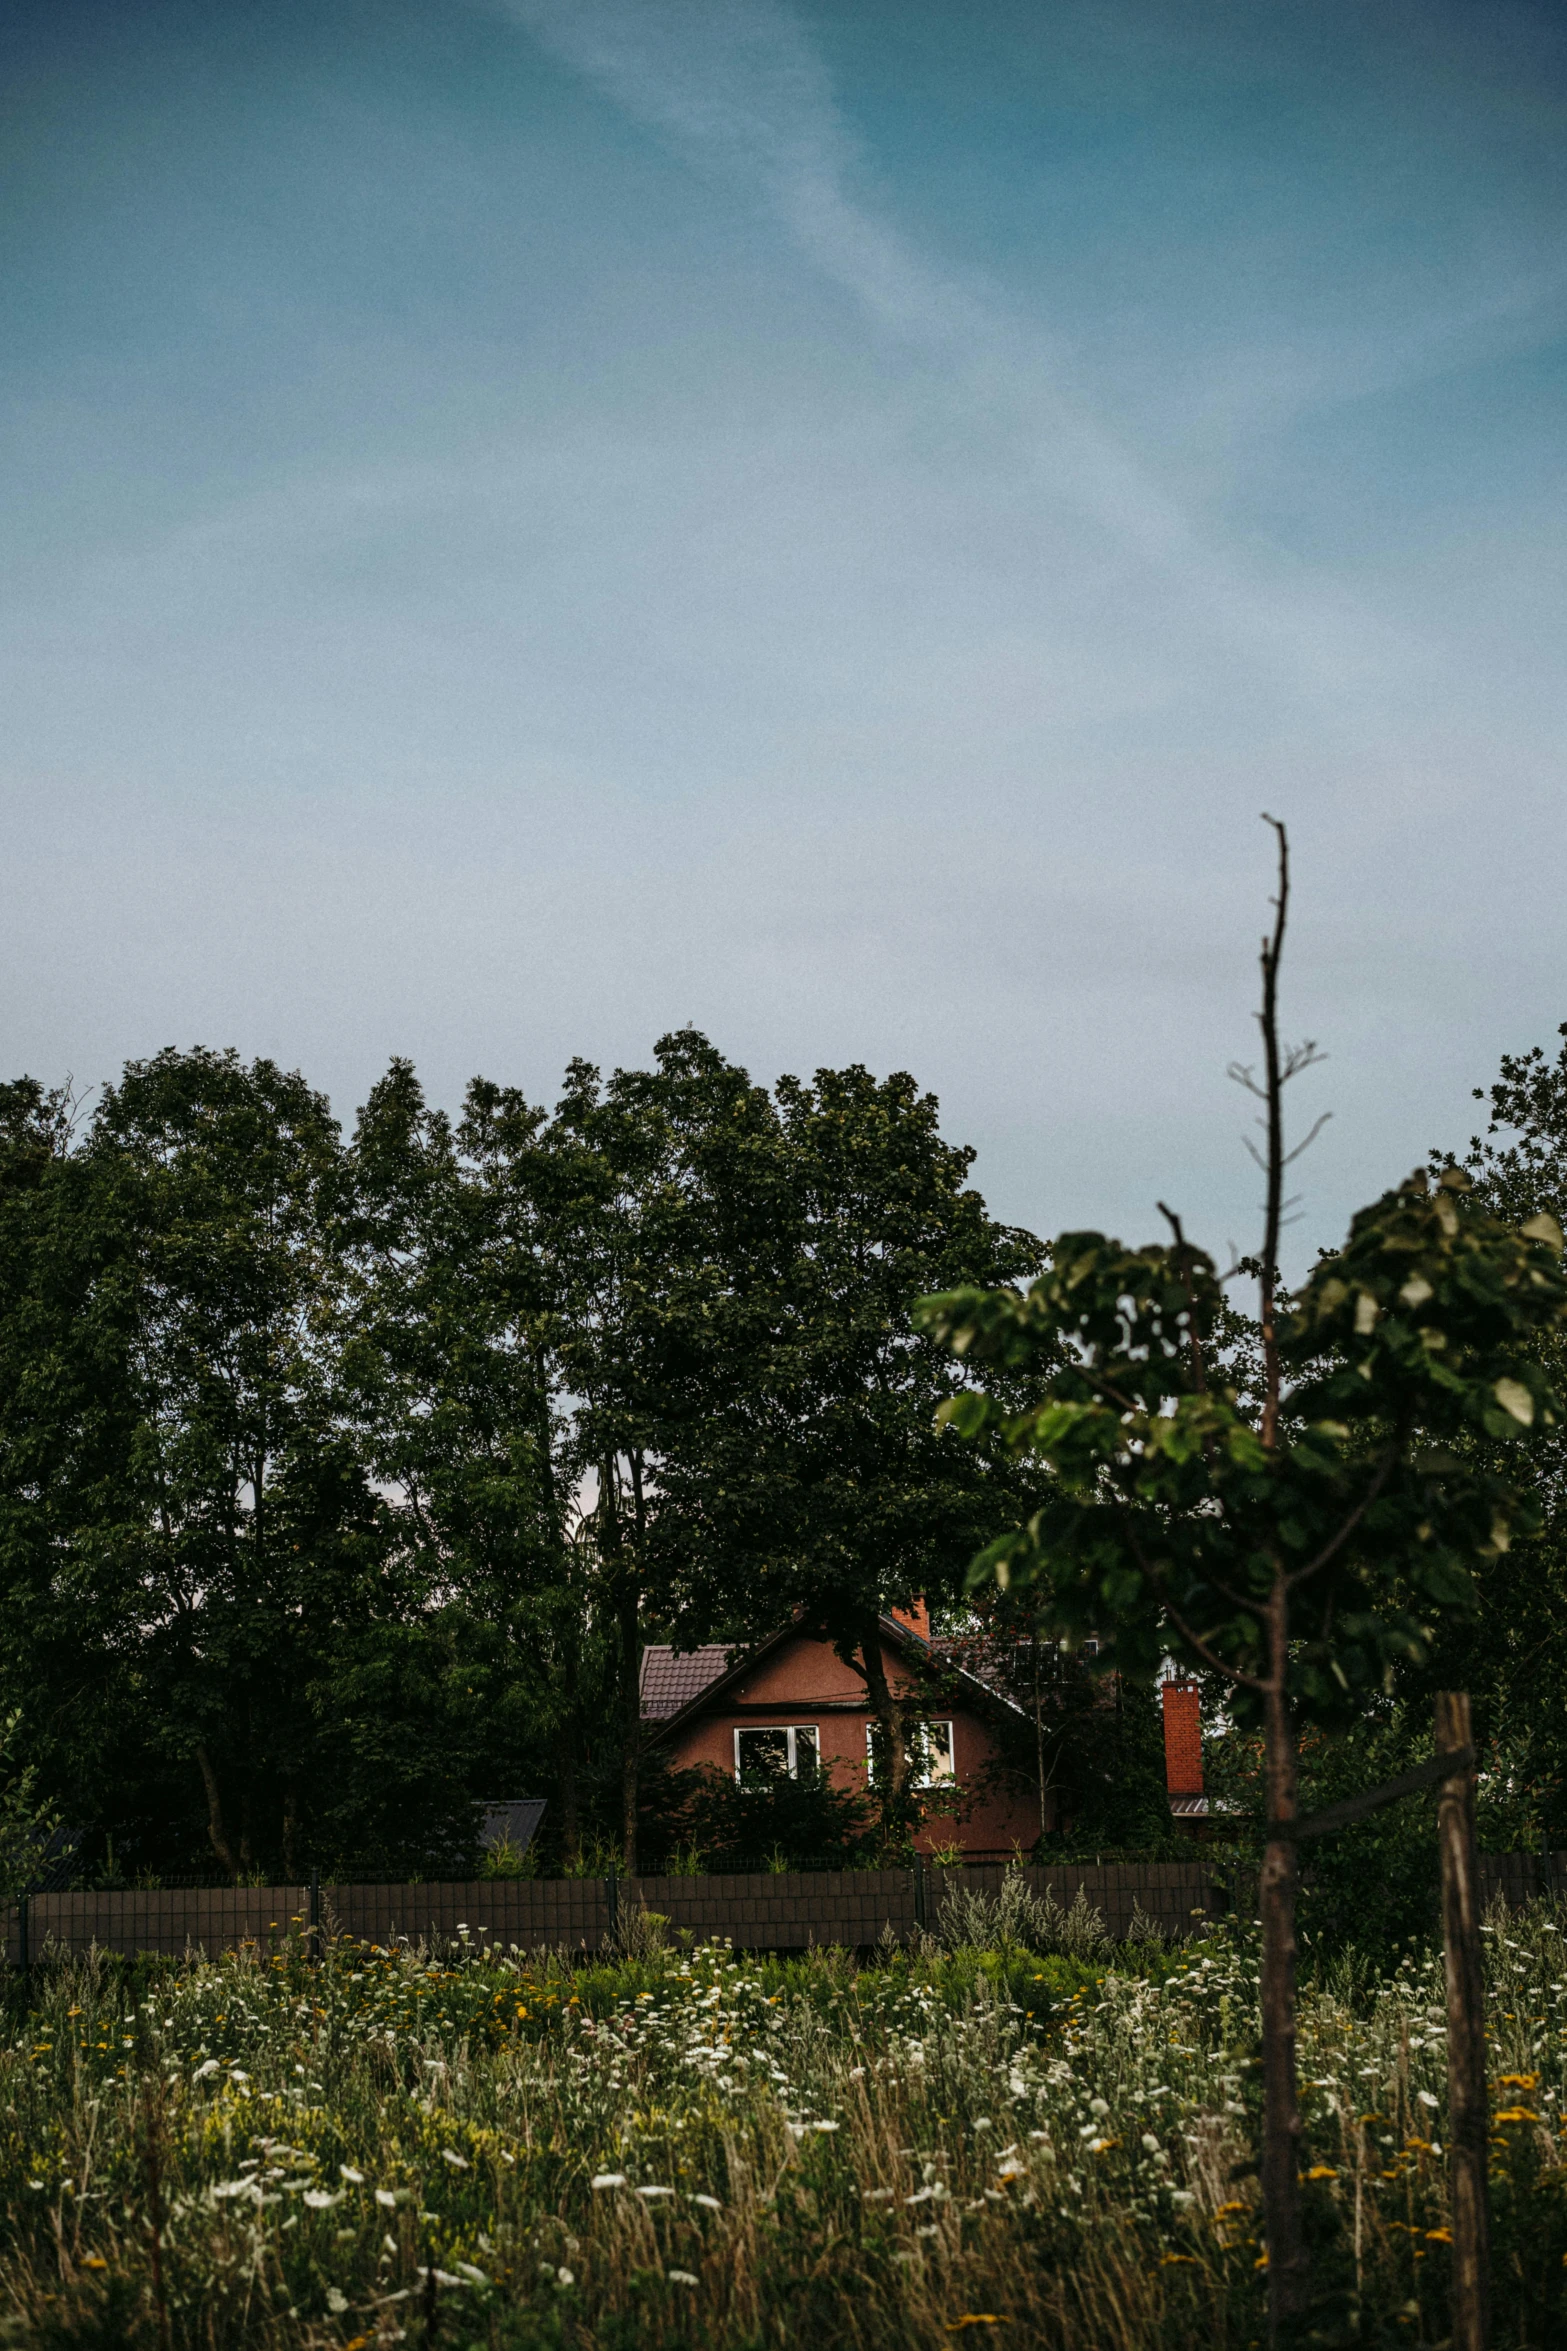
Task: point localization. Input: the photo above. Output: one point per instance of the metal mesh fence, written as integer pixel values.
(756, 1909)
(764, 1909)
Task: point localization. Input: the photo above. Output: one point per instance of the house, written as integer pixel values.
(791, 1706)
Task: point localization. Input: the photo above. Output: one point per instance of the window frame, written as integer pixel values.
(927, 1779)
(792, 1732)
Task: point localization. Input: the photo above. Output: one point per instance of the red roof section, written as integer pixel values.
(671, 1678)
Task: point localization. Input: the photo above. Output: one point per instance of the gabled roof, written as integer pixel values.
(671, 1678)
(711, 1691)
(516, 1820)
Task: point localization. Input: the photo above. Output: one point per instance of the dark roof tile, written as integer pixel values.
(671, 1678)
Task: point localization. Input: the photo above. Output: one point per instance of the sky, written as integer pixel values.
(525, 526)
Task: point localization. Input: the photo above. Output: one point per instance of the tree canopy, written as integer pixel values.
(343, 1479)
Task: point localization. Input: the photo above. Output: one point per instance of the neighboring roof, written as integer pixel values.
(515, 1820)
(735, 1663)
(671, 1678)
(1189, 1807)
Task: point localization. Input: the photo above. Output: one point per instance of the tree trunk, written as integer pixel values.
(1039, 1727)
(216, 1833)
(1289, 2274)
(631, 1668)
(894, 1779)
(247, 1859)
(570, 1788)
(570, 1581)
(630, 1616)
(570, 1801)
(1289, 2267)
(1468, 2110)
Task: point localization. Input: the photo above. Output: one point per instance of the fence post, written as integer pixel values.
(315, 1913)
(1468, 2111)
(612, 1902)
(919, 1890)
(21, 1933)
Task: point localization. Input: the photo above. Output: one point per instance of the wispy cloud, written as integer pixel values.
(738, 89)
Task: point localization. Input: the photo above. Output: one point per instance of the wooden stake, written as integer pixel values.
(1468, 2111)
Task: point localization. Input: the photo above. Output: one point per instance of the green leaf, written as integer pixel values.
(1515, 1398)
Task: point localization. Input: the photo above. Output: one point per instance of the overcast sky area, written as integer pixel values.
(527, 526)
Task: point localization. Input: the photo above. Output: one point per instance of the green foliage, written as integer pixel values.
(1372, 1885)
(1169, 1518)
(1295, 1533)
(1109, 1777)
(810, 1459)
(25, 1819)
(1510, 1653)
(341, 1483)
(1073, 2130)
(504, 1859)
(795, 1822)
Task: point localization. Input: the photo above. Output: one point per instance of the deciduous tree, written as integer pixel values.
(1299, 1543)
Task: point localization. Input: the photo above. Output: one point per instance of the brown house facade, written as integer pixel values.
(792, 1706)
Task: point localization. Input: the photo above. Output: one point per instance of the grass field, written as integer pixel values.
(691, 2148)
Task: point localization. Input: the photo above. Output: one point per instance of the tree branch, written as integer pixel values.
(1199, 1375)
(1268, 1021)
(1156, 1577)
(1231, 1673)
(1331, 1550)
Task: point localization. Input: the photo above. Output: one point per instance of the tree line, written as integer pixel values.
(344, 1477)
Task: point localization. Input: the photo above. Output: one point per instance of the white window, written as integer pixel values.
(779, 1752)
(931, 1752)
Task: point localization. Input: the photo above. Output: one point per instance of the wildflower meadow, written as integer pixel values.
(686, 2146)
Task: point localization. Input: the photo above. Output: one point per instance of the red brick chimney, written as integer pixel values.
(916, 1616)
(1182, 1739)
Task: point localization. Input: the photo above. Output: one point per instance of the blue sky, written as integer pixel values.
(528, 525)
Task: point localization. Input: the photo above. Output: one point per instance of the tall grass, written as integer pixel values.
(691, 2148)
